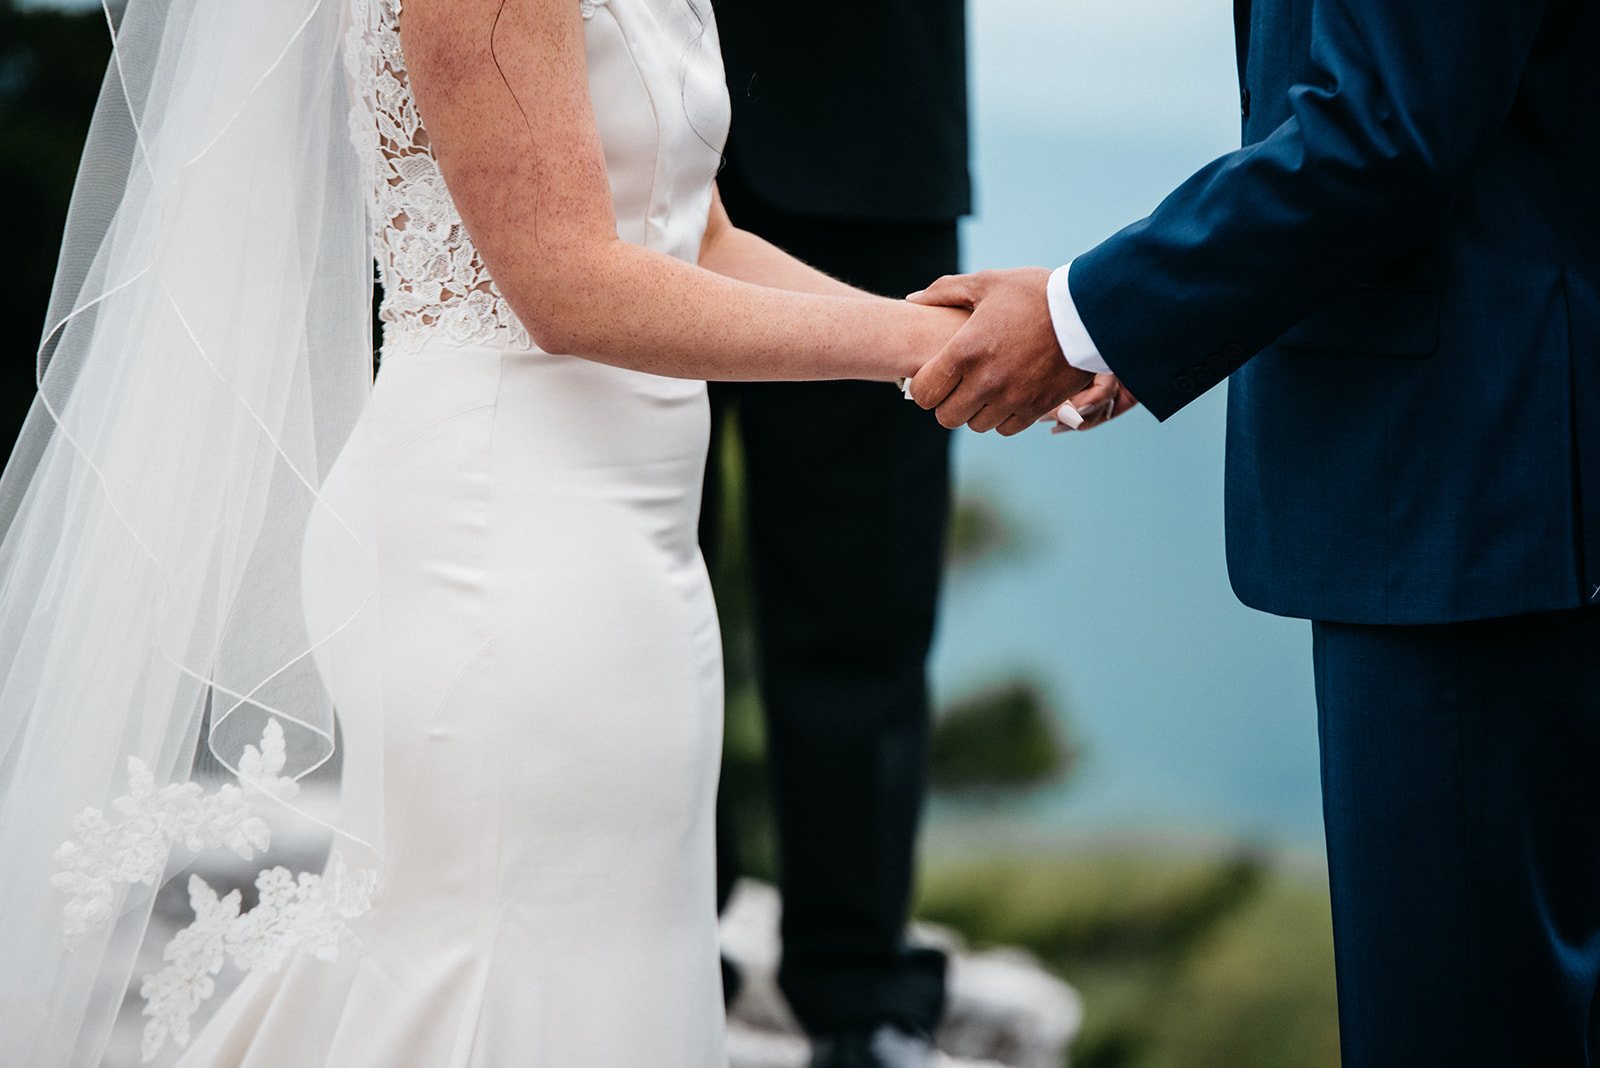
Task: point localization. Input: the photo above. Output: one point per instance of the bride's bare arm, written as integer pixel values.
(503, 90)
(740, 254)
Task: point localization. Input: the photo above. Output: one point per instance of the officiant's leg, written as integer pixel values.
(1462, 805)
(847, 523)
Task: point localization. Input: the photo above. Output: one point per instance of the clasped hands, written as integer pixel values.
(1004, 369)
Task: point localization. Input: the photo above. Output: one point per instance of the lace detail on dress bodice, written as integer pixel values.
(433, 279)
(661, 108)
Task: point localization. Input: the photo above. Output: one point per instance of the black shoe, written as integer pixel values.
(885, 1047)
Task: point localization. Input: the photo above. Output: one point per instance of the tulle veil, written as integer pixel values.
(206, 354)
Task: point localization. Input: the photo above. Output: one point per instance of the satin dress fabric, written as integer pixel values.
(544, 648)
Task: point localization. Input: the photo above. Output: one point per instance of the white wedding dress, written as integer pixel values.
(542, 643)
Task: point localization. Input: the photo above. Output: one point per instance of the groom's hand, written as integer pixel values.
(1004, 368)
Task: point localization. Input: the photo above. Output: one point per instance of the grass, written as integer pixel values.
(1182, 961)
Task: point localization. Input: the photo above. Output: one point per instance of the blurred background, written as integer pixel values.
(1125, 764)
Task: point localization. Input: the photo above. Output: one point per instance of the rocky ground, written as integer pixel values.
(1003, 1008)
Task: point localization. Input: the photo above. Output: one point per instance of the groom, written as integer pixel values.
(1401, 273)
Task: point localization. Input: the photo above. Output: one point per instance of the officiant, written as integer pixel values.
(848, 149)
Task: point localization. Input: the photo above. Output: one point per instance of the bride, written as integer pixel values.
(217, 536)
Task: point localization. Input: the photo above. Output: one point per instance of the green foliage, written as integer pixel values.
(723, 538)
(1182, 962)
(1004, 738)
(1259, 993)
(745, 799)
(1068, 909)
(978, 531)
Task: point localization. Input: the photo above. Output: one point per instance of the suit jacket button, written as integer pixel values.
(1234, 353)
(1216, 364)
(1244, 103)
(1182, 385)
(1200, 373)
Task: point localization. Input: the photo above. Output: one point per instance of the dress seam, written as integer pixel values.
(424, 432)
(655, 119)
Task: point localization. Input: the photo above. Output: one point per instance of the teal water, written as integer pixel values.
(1196, 714)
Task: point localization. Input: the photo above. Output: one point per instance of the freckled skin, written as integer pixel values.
(518, 146)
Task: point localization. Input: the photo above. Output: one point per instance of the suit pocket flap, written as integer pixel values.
(1371, 320)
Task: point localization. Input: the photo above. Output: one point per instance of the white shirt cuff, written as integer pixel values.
(1076, 344)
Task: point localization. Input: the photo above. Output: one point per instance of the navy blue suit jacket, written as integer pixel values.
(1401, 272)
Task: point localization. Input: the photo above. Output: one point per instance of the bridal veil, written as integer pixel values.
(206, 354)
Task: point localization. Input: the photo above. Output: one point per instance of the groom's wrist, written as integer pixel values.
(1076, 344)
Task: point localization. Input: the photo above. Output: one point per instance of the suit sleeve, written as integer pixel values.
(1400, 98)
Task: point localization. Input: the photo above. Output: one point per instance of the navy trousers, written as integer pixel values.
(1461, 793)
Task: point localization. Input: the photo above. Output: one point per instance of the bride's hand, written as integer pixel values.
(1095, 406)
(937, 324)
(934, 333)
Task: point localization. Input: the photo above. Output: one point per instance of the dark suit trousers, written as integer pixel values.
(1461, 791)
(847, 491)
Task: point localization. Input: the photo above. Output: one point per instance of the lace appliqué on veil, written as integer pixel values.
(309, 912)
(103, 856)
(433, 281)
